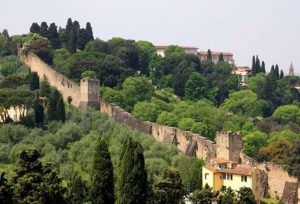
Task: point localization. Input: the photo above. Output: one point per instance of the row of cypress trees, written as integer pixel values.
(72, 36)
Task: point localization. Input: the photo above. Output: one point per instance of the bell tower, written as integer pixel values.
(291, 71)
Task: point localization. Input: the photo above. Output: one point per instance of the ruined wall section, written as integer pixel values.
(66, 86)
(277, 177)
(229, 145)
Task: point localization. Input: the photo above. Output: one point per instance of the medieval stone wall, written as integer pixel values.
(66, 86)
(277, 178)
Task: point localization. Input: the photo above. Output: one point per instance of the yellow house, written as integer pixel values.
(221, 174)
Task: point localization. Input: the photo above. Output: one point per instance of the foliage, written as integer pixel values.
(77, 189)
(169, 189)
(195, 87)
(229, 197)
(35, 182)
(245, 103)
(146, 111)
(204, 196)
(34, 81)
(132, 182)
(36, 44)
(168, 119)
(102, 190)
(252, 142)
(288, 113)
(292, 159)
(137, 89)
(246, 196)
(88, 74)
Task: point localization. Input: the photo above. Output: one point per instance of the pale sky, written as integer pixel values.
(269, 28)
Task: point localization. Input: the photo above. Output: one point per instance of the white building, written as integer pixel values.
(243, 73)
(160, 50)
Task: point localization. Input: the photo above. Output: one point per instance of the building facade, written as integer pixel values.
(220, 174)
(160, 50)
(244, 73)
(227, 56)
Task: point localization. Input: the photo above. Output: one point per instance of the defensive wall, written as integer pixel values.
(227, 145)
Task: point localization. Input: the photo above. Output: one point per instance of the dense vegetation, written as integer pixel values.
(176, 90)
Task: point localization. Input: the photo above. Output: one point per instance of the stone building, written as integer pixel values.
(160, 50)
(227, 56)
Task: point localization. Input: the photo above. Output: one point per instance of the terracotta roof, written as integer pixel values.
(204, 53)
(242, 69)
(220, 160)
(240, 169)
(183, 47)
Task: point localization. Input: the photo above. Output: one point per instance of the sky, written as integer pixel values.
(267, 28)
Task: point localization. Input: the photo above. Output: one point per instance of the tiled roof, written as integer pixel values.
(242, 69)
(239, 170)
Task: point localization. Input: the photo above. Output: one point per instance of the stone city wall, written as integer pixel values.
(66, 86)
(277, 177)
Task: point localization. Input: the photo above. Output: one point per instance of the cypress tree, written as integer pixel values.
(60, 110)
(38, 112)
(44, 30)
(209, 57)
(52, 106)
(281, 74)
(221, 58)
(35, 183)
(81, 39)
(132, 181)
(34, 81)
(67, 33)
(89, 32)
(73, 40)
(45, 89)
(77, 189)
(253, 65)
(5, 190)
(53, 36)
(102, 191)
(35, 28)
(277, 72)
(263, 67)
(257, 65)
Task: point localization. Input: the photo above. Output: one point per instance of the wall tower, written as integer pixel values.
(229, 145)
(89, 93)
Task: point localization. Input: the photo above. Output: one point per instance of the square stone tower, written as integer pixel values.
(229, 145)
(89, 93)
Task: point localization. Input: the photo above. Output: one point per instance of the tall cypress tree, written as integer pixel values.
(73, 40)
(38, 112)
(77, 189)
(89, 32)
(53, 36)
(67, 33)
(132, 181)
(52, 106)
(209, 57)
(257, 65)
(277, 72)
(81, 39)
(221, 58)
(281, 75)
(253, 65)
(34, 81)
(60, 110)
(263, 67)
(35, 28)
(102, 191)
(44, 30)
(45, 89)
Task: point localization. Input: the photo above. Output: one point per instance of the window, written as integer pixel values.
(223, 188)
(244, 178)
(206, 176)
(229, 177)
(223, 176)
